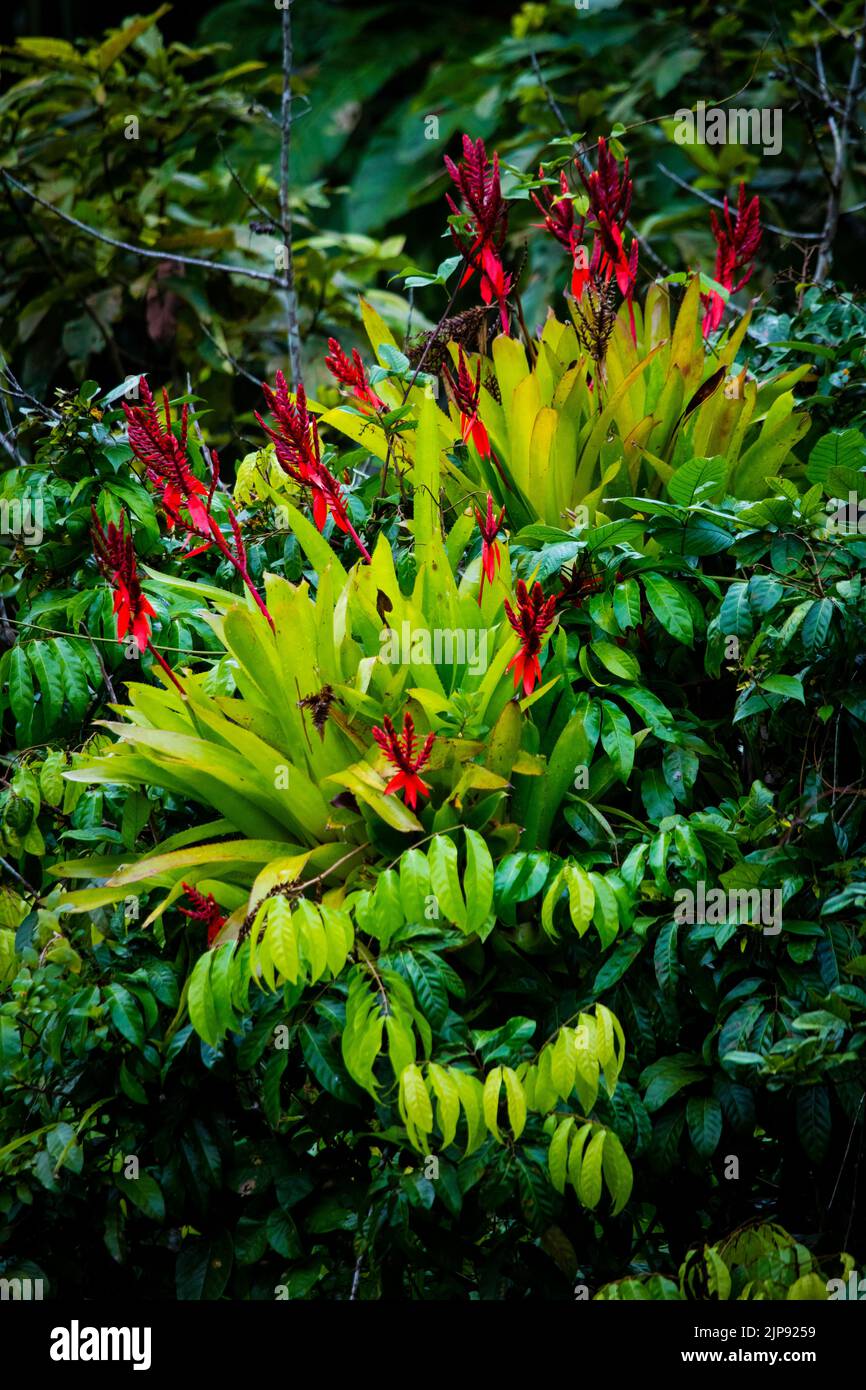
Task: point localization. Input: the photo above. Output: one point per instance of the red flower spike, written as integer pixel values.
(400, 752)
(481, 194)
(478, 183)
(115, 555)
(296, 444)
(489, 527)
(559, 219)
(534, 615)
(164, 458)
(737, 244)
(352, 374)
(609, 192)
(466, 393)
(204, 909)
(186, 500)
(496, 284)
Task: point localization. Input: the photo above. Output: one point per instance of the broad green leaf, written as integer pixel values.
(669, 606)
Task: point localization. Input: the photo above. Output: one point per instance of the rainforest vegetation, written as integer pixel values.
(432, 617)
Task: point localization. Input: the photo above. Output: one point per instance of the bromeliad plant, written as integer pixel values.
(569, 429)
(488, 759)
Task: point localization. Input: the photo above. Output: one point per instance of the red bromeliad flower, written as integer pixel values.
(164, 459)
(115, 555)
(737, 245)
(296, 444)
(478, 182)
(204, 909)
(465, 393)
(400, 751)
(489, 527)
(534, 615)
(352, 374)
(496, 284)
(186, 499)
(559, 219)
(610, 194)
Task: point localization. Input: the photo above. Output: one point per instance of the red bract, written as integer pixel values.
(400, 752)
(164, 458)
(204, 909)
(534, 615)
(489, 527)
(737, 244)
(609, 191)
(478, 182)
(465, 393)
(352, 374)
(115, 555)
(165, 464)
(296, 444)
(559, 219)
(496, 283)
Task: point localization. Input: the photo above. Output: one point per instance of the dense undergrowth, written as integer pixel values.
(435, 840)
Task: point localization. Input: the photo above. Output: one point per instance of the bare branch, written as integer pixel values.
(840, 134)
(717, 203)
(141, 250)
(824, 15)
(293, 332)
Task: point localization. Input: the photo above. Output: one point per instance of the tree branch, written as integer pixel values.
(293, 333)
(716, 203)
(840, 135)
(141, 250)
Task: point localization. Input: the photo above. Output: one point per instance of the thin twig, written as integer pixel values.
(141, 250)
(293, 333)
(717, 203)
(840, 135)
(10, 868)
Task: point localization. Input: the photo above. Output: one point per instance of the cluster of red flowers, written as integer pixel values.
(737, 244)
(400, 752)
(299, 454)
(533, 617)
(486, 214)
(165, 462)
(115, 555)
(187, 502)
(610, 193)
(204, 909)
(352, 374)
